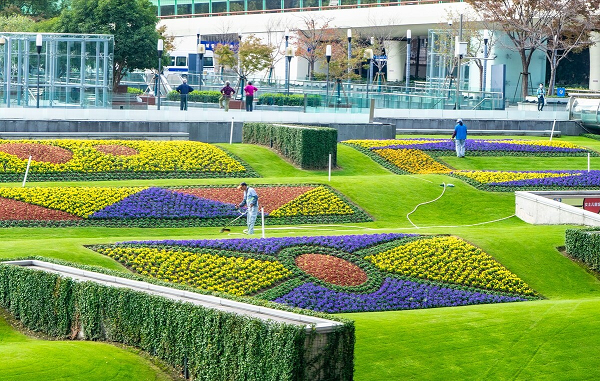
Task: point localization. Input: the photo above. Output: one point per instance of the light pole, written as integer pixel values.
(201, 52)
(240, 67)
(38, 45)
(369, 56)
(197, 55)
(328, 57)
(286, 34)
(289, 53)
(408, 38)
(554, 52)
(460, 50)
(349, 56)
(159, 51)
(371, 62)
(486, 38)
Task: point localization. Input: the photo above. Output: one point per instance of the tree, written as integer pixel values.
(36, 9)
(17, 23)
(312, 38)
(521, 21)
(569, 30)
(132, 22)
(254, 56)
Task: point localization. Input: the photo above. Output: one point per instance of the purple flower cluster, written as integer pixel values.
(394, 294)
(482, 145)
(164, 203)
(271, 246)
(578, 179)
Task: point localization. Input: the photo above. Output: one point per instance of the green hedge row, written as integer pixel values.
(288, 99)
(212, 344)
(307, 147)
(196, 96)
(584, 244)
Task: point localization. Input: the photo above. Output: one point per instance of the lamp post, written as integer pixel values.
(369, 56)
(289, 53)
(197, 55)
(486, 38)
(554, 52)
(38, 45)
(240, 67)
(460, 49)
(328, 57)
(201, 52)
(349, 55)
(371, 64)
(159, 51)
(286, 34)
(408, 38)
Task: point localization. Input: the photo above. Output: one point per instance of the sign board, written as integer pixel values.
(561, 91)
(591, 204)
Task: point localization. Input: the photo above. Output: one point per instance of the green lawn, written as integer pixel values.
(555, 338)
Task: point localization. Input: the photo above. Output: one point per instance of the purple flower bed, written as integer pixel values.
(579, 179)
(394, 294)
(163, 203)
(271, 246)
(482, 145)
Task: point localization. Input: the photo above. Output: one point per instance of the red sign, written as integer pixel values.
(592, 204)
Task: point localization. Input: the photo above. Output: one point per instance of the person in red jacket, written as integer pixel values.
(250, 89)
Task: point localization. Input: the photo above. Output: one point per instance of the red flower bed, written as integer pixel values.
(18, 210)
(116, 149)
(269, 198)
(38, 152)
(332, 269)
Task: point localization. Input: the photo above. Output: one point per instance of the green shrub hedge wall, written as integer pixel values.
(584, 244)
(214, 345)
(277, 99)
(196, 96)
(307, 147)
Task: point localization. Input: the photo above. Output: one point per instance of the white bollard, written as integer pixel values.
(329, 167)
(26, 172)
(588, 161)
(262, 217)
(231, 132)
(552, 132)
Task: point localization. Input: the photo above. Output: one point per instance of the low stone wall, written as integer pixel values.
(540, 208)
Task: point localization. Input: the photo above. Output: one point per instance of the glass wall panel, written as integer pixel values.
(167, 7)
(57, 77)
(219, 6)
(255, 5)
(201, 7)
(273, 4)
(236, 6)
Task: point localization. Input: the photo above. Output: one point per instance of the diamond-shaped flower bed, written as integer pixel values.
(332, 274)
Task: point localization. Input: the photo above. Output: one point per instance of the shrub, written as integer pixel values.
(584, 244)
(197, 96)
(277, 99)
(134, 90)
(308, 147)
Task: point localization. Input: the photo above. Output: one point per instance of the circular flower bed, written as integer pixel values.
(39, 152)
(331, 269)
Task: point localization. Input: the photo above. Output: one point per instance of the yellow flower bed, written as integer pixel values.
(486, 177)
(153, 156)
(318, 201)
(368, 143)
(449, 259)
(545, 143)
(237, 276)
(412, 160)
(80, 201)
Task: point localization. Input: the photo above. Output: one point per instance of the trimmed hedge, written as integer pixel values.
(288, 100)
(307, 147)
(584, 244)
(212, 344)
(196, 96)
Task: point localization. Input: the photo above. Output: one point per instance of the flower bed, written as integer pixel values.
(165, 207)
(421, 156)
(66, 159)
(331, 274)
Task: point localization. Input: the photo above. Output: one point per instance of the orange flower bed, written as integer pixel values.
(38, 152)
(116, 149)
(331, 269)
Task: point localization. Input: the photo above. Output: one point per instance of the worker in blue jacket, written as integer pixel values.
(251, 202)
(460, 134)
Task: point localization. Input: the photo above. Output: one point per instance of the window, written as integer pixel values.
(180, 61)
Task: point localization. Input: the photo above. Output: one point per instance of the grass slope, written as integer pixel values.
(555, 338)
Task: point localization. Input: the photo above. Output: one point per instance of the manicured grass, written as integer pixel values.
(555, 338)
(24, 358)
(511, 163)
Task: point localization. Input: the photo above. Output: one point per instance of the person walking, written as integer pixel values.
(226, 93)
(184, 89)
(460, 134)
(540, 97)
(250, 89)
(251, 202)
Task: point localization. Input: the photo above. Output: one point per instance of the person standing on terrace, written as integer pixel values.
(460, 134)
(226, 93)
(184, 89)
